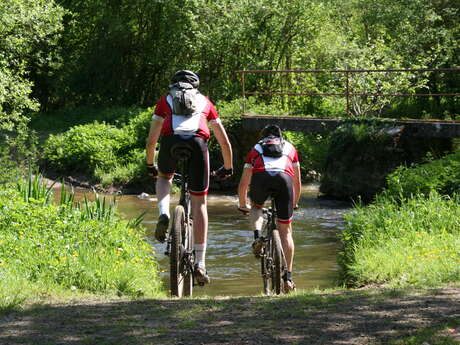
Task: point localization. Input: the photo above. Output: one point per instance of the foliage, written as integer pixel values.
(87, 248)
(34, 190)
(84, 147)
(111, 153)
(116, 53)
(441, 175)
(29, 32)
(59, 121)
(312, 151)
(359, 156)
(362, 152)
(415, 242)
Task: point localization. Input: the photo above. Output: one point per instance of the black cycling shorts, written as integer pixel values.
(199, 161)
(279, 185)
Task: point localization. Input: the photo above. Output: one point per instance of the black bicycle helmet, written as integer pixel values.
(271, 130)
(186, 76)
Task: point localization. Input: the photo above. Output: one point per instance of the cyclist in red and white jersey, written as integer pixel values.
(267, 174)
(192, 130)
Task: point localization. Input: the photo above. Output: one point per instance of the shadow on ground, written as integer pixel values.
(351, 317)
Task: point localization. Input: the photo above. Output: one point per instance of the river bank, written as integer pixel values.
(358, 317)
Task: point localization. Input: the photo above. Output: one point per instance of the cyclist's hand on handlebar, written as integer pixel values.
(245, 210)
(222, 173)
(152, 170)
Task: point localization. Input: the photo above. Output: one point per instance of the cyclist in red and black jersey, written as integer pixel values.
(267, 175)
(192, 130)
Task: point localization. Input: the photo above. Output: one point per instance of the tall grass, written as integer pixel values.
(33, 189)
(415, 242)
(82, 247)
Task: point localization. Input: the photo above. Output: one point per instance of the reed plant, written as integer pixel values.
(412, 242)
(34, 189)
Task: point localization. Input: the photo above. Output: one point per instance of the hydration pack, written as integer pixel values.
(184, 98)
(272, 146)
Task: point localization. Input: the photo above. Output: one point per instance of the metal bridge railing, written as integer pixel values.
(348, 92)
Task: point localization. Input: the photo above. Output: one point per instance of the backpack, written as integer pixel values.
(272, 146)
(184, 98)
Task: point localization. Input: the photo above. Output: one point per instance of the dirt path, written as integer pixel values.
(350, 317)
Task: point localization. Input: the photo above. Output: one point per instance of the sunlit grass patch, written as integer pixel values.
(416, 242)
(84, 248)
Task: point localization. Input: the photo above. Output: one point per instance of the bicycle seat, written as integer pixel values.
(181, 151)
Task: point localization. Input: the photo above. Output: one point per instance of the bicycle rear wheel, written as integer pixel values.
(188, 244)
(277, 255)
(181, 283)
(265, 272)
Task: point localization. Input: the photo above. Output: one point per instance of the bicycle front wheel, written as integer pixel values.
(180, 274)
(277, 255)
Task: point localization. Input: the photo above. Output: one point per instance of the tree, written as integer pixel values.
(28, 31)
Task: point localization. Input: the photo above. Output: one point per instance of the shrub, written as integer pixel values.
(442, 175)
(85, 147)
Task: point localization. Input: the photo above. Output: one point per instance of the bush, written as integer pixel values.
(85, 147)
(442, 175)
(109, 153)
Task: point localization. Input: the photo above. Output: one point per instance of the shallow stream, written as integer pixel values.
(233, 269)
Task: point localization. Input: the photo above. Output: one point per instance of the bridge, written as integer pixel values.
(429, 128)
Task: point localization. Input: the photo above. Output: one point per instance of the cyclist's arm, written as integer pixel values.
(244, 186)
(297, 184)
(154, 134)
(224, 143)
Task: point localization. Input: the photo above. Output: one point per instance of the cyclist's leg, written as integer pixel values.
(200, 227)
(287, 242)
(199, 182)
(284, 206)
(258, 193)
(166, 167)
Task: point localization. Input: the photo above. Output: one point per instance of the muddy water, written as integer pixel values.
(233, 269)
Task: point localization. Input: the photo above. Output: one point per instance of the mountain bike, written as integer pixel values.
(272, 260)
(180, 239)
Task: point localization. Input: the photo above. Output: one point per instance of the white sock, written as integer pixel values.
(200, 253)
(163, 206)
(256, 219)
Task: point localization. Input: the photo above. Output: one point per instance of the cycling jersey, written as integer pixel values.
(195, 125)
(259, 163)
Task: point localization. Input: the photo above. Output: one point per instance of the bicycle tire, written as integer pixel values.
(176, 277)
(188, 244)
(265, 274)
(277, 254)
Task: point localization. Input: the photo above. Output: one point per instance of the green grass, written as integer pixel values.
(416, 242)
(83, 247)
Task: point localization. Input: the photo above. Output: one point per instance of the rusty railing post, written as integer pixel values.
(348, 92)
(243, 92)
